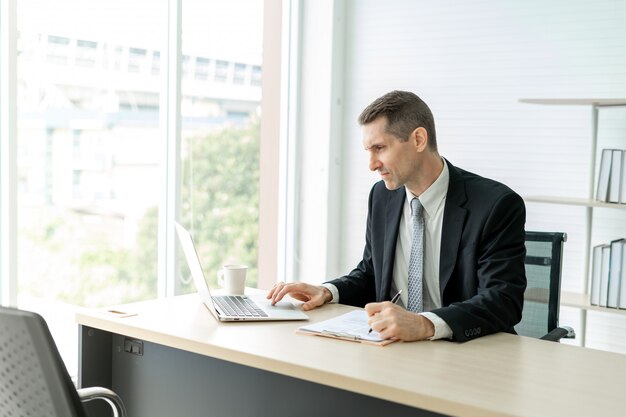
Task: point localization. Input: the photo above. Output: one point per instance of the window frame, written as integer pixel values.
(8, 152)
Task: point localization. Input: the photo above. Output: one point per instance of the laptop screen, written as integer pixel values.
(194, 266)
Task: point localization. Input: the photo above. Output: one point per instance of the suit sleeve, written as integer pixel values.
(358, 287)
(500, 276)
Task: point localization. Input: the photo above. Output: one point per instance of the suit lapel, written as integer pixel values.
(392, 225)
(452, 227)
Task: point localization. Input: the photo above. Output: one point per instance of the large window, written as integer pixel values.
(90, 165)
(220, 108)
(87, 157)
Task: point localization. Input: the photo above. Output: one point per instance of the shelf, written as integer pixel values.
(572, 299)
(578, 300)
(599, 102)
(570, 201)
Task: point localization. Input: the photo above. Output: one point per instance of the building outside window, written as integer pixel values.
(202, 68)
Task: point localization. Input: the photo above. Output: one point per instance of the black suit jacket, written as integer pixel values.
(481, 270)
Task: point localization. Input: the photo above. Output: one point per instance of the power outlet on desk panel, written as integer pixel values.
(133, 346)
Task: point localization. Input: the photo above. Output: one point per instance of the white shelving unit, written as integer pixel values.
(581, 300)
(571, 299)
(570, 201)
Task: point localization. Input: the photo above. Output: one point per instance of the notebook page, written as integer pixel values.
(353, 323)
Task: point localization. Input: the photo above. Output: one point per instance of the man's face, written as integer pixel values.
(396, 162)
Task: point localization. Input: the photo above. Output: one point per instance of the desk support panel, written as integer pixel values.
(94, 365)
(167, 382)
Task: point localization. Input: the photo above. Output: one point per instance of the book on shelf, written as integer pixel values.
(615, 272)
(616, 176)
(602, 190)
(604, 276)
(596, 274)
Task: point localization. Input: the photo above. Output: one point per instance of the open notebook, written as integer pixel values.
(350, 326)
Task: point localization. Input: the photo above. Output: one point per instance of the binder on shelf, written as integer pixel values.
(616, 176)
(621, 301)
(596, 274)
(615, 272)
(602, 190)
(622, 193)
(604, 276)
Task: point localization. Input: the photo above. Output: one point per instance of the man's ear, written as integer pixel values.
(420, 138)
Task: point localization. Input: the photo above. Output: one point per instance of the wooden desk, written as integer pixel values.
(292, 374)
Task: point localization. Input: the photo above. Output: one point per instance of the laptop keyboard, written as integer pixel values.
(238, 306)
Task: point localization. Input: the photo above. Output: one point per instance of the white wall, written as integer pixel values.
(319, 127)
(471, 61)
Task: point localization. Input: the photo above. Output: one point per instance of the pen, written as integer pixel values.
(393, 301)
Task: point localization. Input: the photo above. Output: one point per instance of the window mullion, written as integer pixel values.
(8, 152)
(171, 128)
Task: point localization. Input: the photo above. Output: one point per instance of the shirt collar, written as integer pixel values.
(435, 194)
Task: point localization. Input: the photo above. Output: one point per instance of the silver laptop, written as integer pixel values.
(233, 307)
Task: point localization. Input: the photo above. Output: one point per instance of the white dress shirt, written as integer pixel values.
(433, 200)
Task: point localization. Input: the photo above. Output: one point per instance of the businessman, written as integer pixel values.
(452, 241)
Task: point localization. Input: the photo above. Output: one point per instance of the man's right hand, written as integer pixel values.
(313, 296)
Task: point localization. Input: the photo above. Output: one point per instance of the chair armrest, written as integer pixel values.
(100, 393)
(559, 333)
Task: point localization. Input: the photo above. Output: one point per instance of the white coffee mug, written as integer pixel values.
(232, 278)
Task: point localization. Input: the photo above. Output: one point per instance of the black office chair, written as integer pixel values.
(540, 315)
(33, 378)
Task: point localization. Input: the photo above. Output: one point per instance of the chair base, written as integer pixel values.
(100, 393)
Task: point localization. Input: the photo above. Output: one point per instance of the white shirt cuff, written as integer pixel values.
(334, 291)
(442, 330)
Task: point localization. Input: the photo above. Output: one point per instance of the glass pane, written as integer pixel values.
(221, 97)
(88, 157)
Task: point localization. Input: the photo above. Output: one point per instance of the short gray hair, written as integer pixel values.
(405, 112)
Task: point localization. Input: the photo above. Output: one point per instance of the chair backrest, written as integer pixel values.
(33, 377)
(544, 254)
